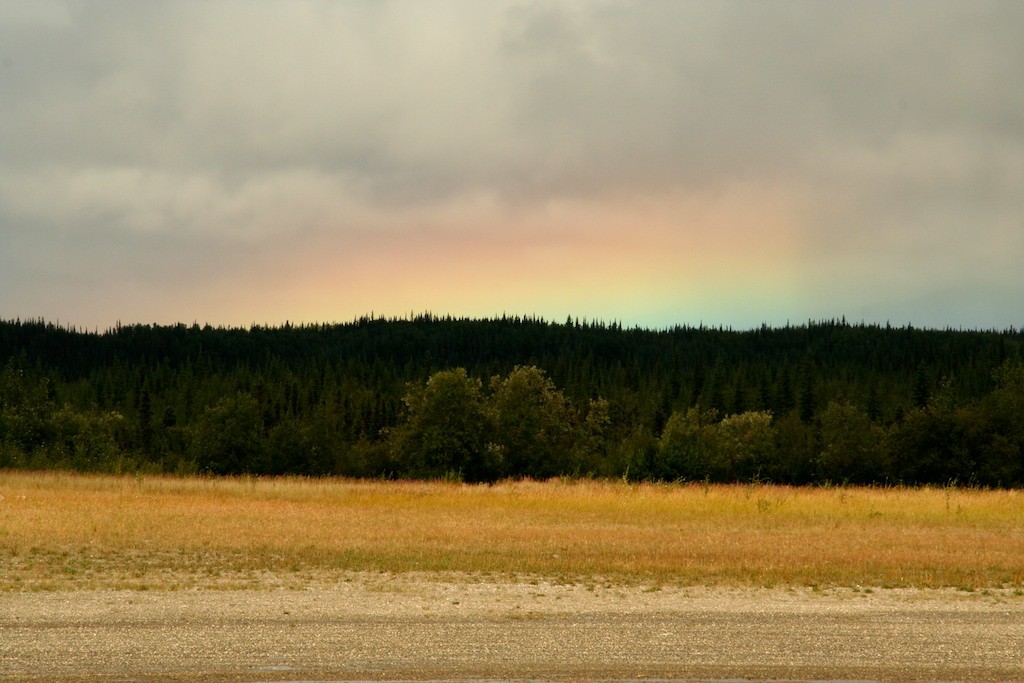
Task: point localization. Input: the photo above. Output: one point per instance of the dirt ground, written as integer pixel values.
(373, 627)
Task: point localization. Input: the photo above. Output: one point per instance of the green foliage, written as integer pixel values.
(25, 409)
(744, 442)
(687, 449)
(928, 447)
(852, 447)
(533, 424)
(996, 429)
(86, 442)
(446, 429)
(696, 446)
(847, 402)
(795, 452)
(35, 432)
(524, 427)
(228, 437)
(590, 452)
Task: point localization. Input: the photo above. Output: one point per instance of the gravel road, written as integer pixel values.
(405, 628)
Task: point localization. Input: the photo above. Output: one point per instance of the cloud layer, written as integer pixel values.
(657, 162)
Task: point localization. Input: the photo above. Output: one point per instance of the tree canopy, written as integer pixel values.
(518, 397)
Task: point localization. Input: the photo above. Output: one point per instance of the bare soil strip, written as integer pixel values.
(406, 627)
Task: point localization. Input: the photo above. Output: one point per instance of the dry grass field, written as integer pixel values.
(61, 531)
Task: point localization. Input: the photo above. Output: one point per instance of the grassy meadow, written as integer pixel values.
(69, 531)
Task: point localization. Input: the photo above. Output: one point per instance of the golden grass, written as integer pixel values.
(60, 530)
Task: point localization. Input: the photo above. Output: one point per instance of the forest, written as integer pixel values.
(479, 400)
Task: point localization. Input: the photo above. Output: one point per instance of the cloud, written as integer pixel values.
(161, 138)
(421, 100)
(34, 14)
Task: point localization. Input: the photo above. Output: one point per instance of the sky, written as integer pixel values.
(654, 163)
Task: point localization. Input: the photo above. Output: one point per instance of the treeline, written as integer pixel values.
(518, 397)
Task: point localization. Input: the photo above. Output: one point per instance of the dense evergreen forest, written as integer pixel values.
(479, 400)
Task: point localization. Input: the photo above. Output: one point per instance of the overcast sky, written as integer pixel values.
(655, 163)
